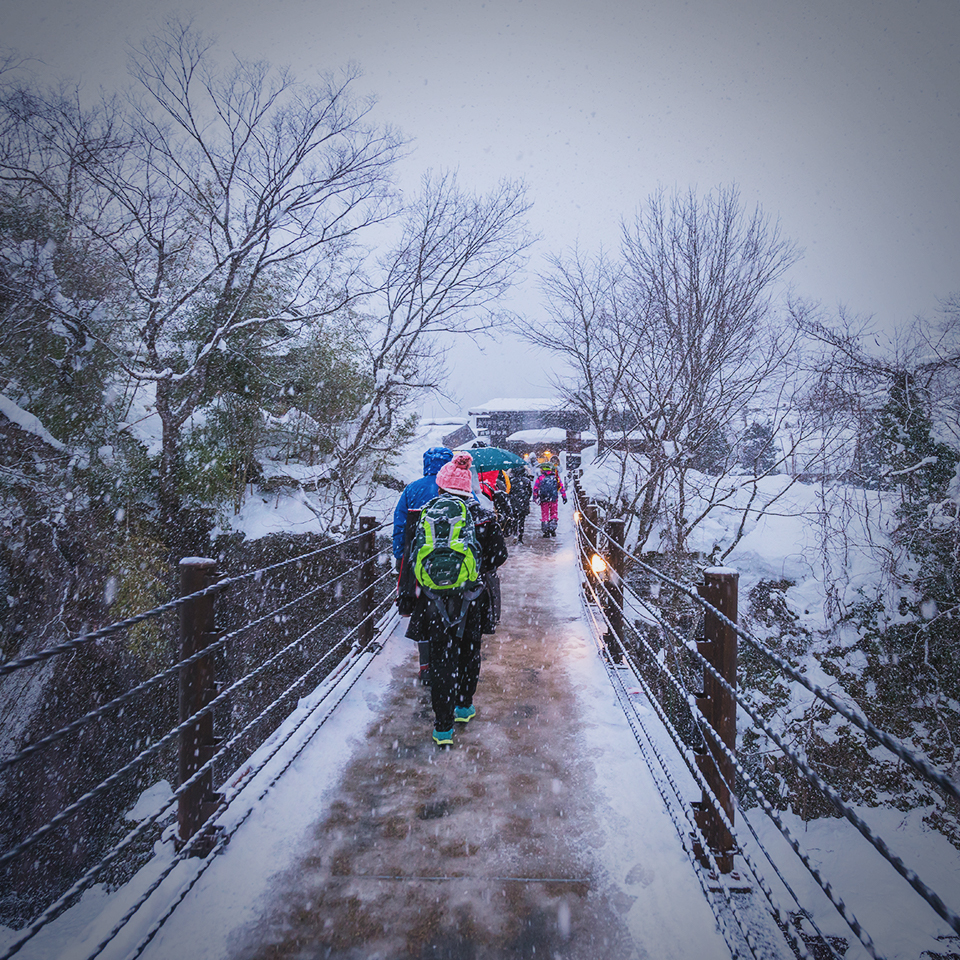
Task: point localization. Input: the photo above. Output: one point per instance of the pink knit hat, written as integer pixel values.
(454, 477)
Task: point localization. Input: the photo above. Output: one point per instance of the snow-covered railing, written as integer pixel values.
(355, 620)
(666, 676)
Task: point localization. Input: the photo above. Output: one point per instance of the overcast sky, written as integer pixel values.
(839, 117)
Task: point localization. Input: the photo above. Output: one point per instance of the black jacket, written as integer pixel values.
(521, 490)
(493, 548)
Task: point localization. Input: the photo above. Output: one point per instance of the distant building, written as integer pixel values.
(496, 420)
(460, 437)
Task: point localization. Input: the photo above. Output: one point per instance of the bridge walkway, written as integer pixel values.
(540, 833)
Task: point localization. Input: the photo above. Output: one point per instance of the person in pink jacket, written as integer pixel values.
(547, 489)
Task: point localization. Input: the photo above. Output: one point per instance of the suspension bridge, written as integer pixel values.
(587, 811)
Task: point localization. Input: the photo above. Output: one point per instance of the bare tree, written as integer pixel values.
(855, 370)
(901, 508)
(225, 207)
(682, 337)
(457, 254)
(704, 272)
(219, 202)
(590, 328)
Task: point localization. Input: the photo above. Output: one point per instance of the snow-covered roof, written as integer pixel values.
(544, 435)
(521, 404)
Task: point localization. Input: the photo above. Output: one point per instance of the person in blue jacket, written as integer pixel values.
(414, 496)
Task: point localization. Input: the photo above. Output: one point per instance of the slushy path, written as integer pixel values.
(500, 846)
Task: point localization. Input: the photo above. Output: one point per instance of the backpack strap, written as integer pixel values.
(456, 624)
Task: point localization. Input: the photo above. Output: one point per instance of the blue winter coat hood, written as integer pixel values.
(434, 459)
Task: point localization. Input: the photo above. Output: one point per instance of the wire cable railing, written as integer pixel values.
(169, 673)
(675, 806)
(680, 801)
(920, 764)
(592, 534)
(175, 732)
(376, 587)
(689, 758)
(346, 666)
(75, 643)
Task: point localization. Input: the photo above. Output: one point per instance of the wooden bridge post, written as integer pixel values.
(718, 705)
(197, 688)
(588, 526)
(367, 572)
(614, 586)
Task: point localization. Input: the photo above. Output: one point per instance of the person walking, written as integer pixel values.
(521, 489)
(547, 488)
(413, 497)
(454, 617)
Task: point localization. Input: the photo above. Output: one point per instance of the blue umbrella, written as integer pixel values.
(494, 458)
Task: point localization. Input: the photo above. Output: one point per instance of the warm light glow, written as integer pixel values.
(576, 516)
(598, 564)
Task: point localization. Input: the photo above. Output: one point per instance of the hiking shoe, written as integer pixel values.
(424, 675)
(464, 714)
(443, 738)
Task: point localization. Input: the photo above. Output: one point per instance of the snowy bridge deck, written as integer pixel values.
(540, 833)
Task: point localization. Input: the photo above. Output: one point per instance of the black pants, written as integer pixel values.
(521, 520)
(454, 665)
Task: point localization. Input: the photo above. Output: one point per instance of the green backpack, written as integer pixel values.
(445, 548)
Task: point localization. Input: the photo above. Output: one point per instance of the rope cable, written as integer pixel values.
(788, 922)
(926, 892)
(704, 845)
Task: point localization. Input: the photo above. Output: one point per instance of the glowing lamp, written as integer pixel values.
(598, 565)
